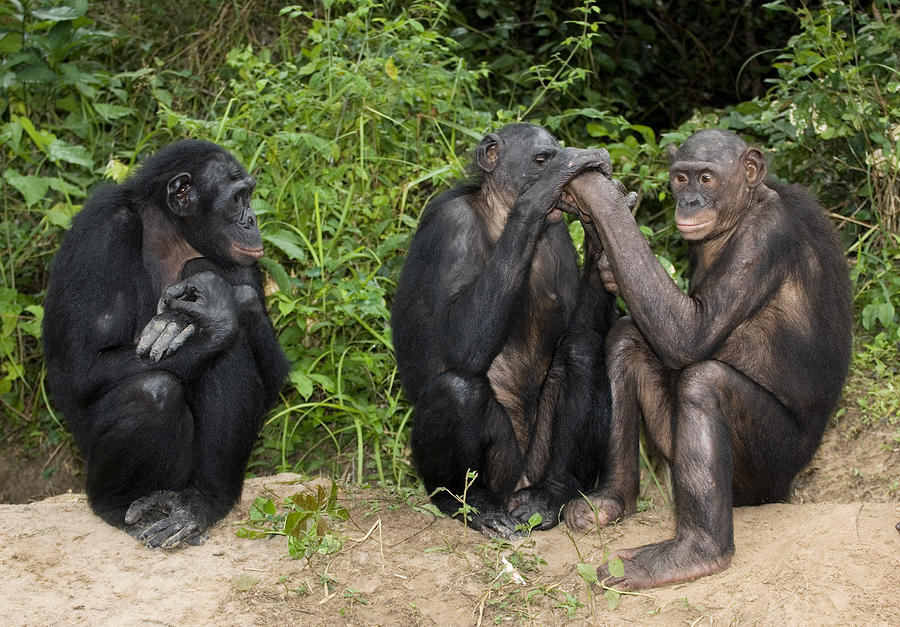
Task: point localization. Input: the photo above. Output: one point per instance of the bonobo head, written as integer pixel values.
(509, 161)
(713, 176)
(207, 193)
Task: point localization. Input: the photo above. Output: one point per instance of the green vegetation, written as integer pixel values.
(353, 113)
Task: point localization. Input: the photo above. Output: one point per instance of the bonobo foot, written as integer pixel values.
(162, 520)
(665, 563)
(496, 524)
(527, 502)
(596, 509)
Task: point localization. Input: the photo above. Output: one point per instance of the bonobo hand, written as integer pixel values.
(594, 192)
(545, 194)
(178, 526)
(202, 303)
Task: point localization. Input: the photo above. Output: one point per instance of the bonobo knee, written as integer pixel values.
(623, 342)
(458, 391)
(156, 393)
(702, 384)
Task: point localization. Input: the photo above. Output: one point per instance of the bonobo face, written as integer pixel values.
(214, 206)
(712, 176)
(226, 196)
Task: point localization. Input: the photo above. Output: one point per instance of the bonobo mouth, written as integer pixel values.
(692, 227)
(256, 252)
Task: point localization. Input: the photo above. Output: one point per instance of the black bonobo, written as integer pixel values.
(158, 347)
(499, 343)
(736, 379)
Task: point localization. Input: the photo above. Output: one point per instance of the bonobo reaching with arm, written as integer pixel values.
(735, 380)
(159, 350)
(499, 343)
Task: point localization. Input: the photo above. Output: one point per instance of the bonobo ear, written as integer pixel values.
(671, 149)
(180, 197)
(755, 165)
(488, 152)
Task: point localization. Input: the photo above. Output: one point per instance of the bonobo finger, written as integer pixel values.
(631, 199)
(188, 306)
(189, 529)
(605, 163)
(149, 335)
(181, 338)
(158, 535)
(164, 340)
(495, 524)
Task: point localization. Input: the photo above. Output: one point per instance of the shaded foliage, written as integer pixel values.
(352, 113)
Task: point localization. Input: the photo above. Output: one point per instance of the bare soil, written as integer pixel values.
(831, 556)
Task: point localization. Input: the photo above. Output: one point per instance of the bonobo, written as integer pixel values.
(499, 343)
(159, 350)
(735, 380)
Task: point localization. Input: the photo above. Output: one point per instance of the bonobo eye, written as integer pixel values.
(706, 178)
(237, 197)
(680, 178)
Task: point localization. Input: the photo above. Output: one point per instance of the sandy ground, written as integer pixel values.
(832, 556)
(795, 563)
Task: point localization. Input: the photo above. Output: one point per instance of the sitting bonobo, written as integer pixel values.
(499, 343)
(735, 380)
(159, 350)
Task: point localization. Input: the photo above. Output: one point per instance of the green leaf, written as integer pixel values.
(61, 151)
(616, 568)
(111, 111)
(10, 42)
(302, 383)
(390, 69)
(588, 572)
(33, 188)
(287, 243)
(612, 599)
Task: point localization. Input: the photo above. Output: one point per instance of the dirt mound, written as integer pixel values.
(818, 563)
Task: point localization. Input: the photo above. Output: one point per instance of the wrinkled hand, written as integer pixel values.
(203, 302)
(164, 335)
(593, 193)
(545, 194)
(180, 526)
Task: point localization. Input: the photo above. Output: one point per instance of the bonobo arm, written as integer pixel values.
(205, 305)
(480, 304)
(680, 328)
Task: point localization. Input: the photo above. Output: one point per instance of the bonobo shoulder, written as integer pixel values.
(452, 211)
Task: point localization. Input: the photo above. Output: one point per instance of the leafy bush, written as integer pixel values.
(353, 113)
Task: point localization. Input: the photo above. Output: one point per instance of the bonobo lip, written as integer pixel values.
(691, 227)
(256, 252)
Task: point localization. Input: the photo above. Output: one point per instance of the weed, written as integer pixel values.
(306, 519)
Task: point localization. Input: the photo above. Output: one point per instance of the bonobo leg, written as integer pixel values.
(142, 442)
(731, 437)
(639, 387)
(460, 426)
(573, 414)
